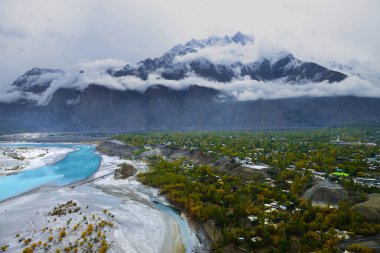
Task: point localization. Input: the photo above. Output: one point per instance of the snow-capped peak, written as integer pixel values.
(39, 71)
(238, 38)
(36, 79)
(242, 38)
(194, 46)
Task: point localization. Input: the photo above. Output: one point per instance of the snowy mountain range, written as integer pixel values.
(193, 59)
(213, 83)
(282, 65)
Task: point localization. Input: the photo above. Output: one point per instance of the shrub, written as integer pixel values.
(62, 234)
(4, 247)
(104, 247)
(357, 248)
(27, 250)
(90, 228)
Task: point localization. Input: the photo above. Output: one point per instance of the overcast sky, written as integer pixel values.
(59, 33)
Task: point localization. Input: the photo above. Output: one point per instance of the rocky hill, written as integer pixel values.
(326, 193)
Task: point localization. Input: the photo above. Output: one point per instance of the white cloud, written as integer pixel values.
(233, 53)
(58, 33)
(95, 72)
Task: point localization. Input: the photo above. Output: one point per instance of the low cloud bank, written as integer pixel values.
(84, 73)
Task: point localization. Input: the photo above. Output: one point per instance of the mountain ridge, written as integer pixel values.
(282, 66)
(300, 71)
(53, 100)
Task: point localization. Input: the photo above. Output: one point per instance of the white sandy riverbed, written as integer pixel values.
(139, 226)
(15, 159)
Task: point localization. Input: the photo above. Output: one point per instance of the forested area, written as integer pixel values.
(266, 211)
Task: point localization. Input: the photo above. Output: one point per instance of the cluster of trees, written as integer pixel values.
(311, 149)
(207, 194)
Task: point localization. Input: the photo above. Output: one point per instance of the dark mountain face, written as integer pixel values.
(217, 72)
(288, 69)
(160, 108)
(141, 72)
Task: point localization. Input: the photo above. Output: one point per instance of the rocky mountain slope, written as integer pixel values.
(161, 108)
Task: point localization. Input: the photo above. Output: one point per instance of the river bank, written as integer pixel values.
(119, 149)
(139, 225)
(14, 159)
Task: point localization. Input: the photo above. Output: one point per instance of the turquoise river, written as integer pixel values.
(77, 165)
